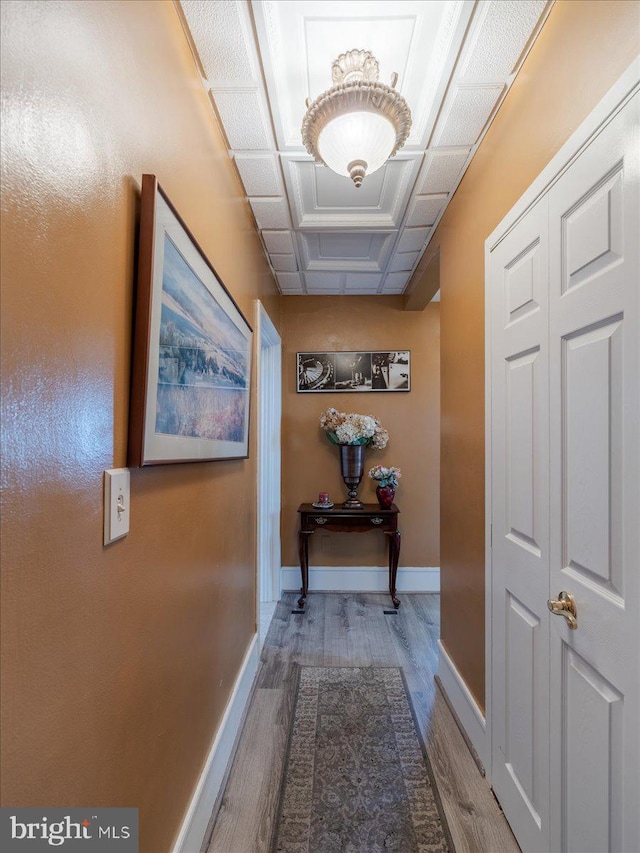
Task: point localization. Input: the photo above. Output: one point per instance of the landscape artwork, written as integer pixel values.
(191, 365)
(354, 371)
(203, 359)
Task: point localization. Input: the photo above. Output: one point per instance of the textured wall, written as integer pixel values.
(582, 50)
(117, 662)
(311, 463)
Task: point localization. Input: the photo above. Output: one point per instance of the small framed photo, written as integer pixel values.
(191, 376)
(353, 371)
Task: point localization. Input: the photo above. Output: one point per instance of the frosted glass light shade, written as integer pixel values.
(356, 136)
(355, 126)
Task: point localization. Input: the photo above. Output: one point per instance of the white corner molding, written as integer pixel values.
(470, 717)
(362, 579)
(196, 820)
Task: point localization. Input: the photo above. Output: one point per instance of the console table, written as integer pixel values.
(342, 520)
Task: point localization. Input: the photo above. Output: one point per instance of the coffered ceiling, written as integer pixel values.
(261, 60)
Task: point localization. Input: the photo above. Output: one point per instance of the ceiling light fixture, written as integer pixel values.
(357, 124)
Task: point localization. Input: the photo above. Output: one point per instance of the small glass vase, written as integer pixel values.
(385, 495)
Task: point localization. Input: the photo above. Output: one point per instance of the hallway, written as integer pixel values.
(341, 629)
(128, 662)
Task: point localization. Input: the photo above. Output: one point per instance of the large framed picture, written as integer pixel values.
(191, 374)
(354, 371)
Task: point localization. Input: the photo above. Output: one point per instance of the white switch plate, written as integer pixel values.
(116, 504)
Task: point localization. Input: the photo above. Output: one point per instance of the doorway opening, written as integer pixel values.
(269, 360)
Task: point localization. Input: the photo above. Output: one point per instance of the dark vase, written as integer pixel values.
(352, 469)
(385, 495)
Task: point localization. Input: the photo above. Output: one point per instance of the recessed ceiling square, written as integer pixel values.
(333, 190)
(337, 246)
(356, 251)
(345, 206)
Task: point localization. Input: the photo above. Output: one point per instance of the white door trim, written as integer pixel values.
(269, 397)
(611, 103)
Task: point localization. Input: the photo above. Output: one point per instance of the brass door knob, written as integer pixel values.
(565, 605)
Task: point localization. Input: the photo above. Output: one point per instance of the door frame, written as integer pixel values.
(612, 102)
(268, 496)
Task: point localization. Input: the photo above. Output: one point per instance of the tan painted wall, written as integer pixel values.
(582, 50)
(117, 662)
(310, 461)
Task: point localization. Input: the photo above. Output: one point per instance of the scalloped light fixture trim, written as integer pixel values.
(354, 127)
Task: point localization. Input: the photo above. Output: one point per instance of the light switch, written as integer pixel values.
(116, 504)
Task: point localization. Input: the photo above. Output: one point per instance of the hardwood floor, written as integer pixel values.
(351, 629)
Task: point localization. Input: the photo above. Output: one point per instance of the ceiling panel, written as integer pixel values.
(280, 242)
(284, 263)
(395, 282)
(363, 283)
(245, 119)
(466, 112)
(260, 174)
(502, 30)
(270, 212)
(441, 169)
(403, 261)
(289, 282)
(223, 35)
(261, 59)
(413, 239)
(324, 282)
(424, 209)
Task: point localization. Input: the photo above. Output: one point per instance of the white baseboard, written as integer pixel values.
(465, 706)
(196, 819)
(362, 579)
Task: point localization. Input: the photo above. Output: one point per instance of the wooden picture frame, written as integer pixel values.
(340, 372)
(191, 372)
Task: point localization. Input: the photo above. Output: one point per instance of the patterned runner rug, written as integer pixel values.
(357, 778)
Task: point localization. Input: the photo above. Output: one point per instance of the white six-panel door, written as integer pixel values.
(565, 448)
(594, 237)
(520, 431)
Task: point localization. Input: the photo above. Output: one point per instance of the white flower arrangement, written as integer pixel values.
(343, 428)
(385, 476)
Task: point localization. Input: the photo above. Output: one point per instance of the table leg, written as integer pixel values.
(394, 555)
(303, 553)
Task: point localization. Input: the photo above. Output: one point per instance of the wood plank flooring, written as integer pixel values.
(351, 629)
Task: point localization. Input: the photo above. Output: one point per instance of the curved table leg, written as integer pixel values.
(303, 553)
(394, 555)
